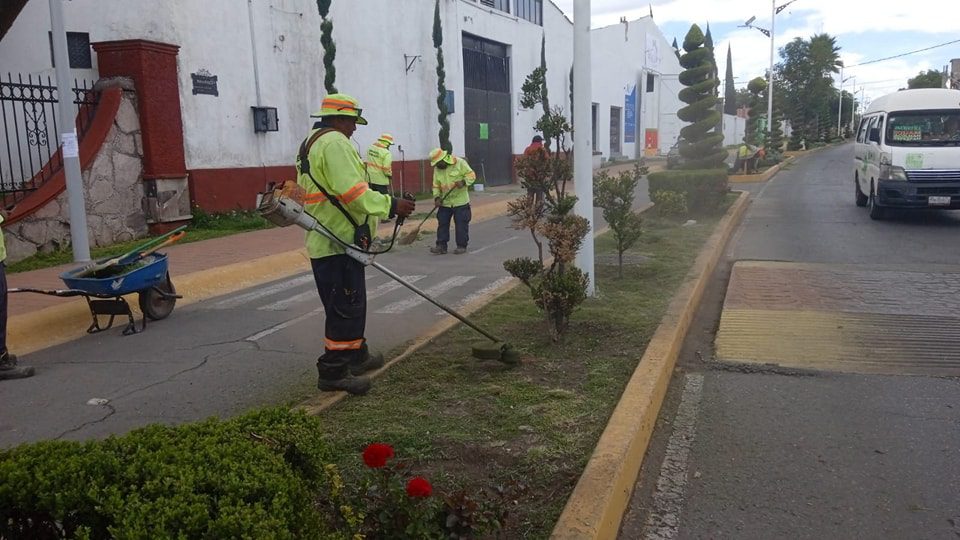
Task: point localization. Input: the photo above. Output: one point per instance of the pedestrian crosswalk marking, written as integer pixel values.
(379, 291)
(414, 301)
(479, 294)
(263, 292)
(276, 328)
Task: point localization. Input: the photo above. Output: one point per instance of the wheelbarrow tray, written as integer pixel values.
(151, 274)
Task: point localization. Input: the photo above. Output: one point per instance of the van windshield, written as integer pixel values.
(924, 128)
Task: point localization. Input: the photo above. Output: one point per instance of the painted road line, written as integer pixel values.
(414, 301)
(664, 520)
(262, 292)
(276, 328)
(281, 305)
(478, 294)
(495, 244)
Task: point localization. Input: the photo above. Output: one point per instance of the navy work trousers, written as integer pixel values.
(461, 218)
(341, 283)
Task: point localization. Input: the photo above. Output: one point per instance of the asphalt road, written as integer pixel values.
(766, 450)
(251, 348)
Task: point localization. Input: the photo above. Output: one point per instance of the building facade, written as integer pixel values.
(230, 57)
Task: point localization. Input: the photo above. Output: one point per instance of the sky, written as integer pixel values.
(865, 30)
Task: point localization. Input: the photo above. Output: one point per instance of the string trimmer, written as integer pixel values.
(283, 206)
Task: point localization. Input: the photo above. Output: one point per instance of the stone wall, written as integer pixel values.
(113, 189)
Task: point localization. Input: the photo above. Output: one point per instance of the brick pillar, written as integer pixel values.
(153, 68)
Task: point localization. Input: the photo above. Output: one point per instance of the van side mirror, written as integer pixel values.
(875, 135)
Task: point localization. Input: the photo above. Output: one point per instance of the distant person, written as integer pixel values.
(536, 148)
(951, 129)
(380, 166)
(452, 178)
(8, 362)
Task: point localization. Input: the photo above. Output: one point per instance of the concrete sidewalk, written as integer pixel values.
(199, 270)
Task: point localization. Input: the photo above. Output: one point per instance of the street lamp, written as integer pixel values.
(774, 10)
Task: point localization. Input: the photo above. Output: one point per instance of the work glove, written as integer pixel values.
(460, 184)
(437, 201)
(402, 207)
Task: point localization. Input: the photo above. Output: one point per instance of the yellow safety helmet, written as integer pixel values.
(438, 154)
(386, 139)
(340, 105)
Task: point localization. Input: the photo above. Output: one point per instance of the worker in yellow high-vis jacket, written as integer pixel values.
(339, 197)
(452, 178)
(380, 165)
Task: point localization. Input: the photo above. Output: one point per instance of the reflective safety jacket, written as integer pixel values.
(336, 165)
(379, 165)
(444, 180)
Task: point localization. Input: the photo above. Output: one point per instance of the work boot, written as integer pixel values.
(10, 370)
(460, 251)
(367, 361)
(339, 378)
(438, 250)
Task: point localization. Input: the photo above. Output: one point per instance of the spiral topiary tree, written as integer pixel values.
(442, 113)
(700, 146)
(329, 47)
(756, 87)
(775, 139)
(700, 183)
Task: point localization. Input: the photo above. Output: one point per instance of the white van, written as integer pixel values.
(908, 151)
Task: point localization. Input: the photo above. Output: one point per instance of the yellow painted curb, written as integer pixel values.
(65, 322)
(600, 498)
(753, 178)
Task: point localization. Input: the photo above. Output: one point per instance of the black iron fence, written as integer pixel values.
(29, 140)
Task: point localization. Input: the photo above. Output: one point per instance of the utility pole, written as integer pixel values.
(70, 147)
(840, 105)
(773, 24)
(583, 135)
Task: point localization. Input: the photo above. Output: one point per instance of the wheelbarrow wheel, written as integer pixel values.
(158, 301)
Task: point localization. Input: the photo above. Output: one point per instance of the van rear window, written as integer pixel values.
(924, 128)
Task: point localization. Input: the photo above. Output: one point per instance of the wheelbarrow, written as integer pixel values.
(104, 283)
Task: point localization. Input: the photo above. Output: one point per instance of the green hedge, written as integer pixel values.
(255, 476)
(704, 189)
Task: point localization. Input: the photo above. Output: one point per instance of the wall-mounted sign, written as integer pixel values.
(630, 116)
(204, 83)
(484, 132)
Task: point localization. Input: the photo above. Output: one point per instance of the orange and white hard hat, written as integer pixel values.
(340, 105)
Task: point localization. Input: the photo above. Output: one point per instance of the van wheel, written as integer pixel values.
(876, 211)
(861, 198)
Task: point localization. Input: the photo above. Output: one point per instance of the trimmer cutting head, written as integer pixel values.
(499, 351)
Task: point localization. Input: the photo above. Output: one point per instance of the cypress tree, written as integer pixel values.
(729, 91)
(444, 134)
(329, 47)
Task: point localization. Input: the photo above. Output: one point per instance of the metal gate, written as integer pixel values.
(487, 109)
(28, 138)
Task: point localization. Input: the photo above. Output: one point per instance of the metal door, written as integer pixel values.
(487, 106)
(614, 131)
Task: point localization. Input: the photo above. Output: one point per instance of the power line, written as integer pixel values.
(904, 54)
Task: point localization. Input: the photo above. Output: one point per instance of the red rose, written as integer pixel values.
(377, 454)
(419, 487)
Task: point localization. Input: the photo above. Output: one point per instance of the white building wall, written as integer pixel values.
(623, 54)
(734, 128)
(216, 36)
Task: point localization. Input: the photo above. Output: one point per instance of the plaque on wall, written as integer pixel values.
(204, 83)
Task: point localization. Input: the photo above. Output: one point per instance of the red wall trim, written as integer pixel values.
(90, 146)
(223, 190)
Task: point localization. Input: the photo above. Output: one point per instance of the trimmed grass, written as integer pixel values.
(466, 422)
(203, 227)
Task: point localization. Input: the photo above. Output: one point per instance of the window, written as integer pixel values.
(530, 10)
(862, 132)
(924, 128)
(78, 50)
(650, 82)
(502, 5)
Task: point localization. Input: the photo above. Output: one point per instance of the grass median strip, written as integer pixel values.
(479, 424)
